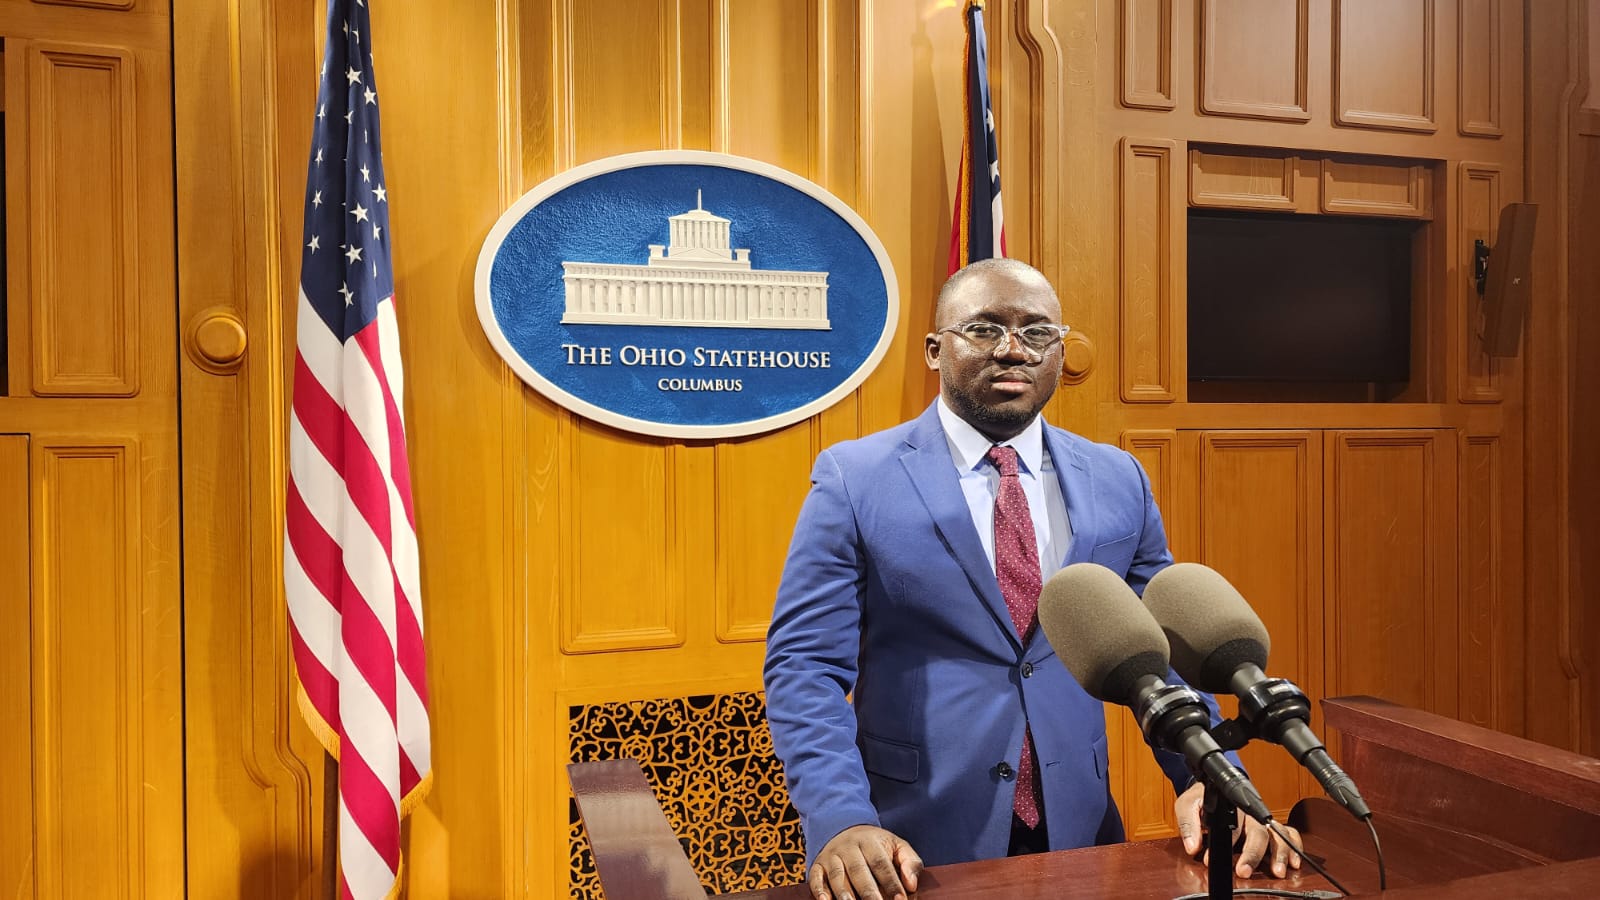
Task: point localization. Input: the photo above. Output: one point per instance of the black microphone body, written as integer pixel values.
(1218, 644)
(1117, 652)
(1281, 713)
(1173, 717)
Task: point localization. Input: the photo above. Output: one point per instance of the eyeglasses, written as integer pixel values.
(987, 336)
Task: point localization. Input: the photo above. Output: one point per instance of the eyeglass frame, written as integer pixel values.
(1010, 332)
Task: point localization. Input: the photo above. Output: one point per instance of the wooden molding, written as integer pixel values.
(1482, 472)
(1390, 520)
(1376, 189)
(1146, 33)
(1477, 216)
(605, 605)
(1155, 449)
(87, 669)
(1242, 181)
(1217, 100)
(17, 832)
(1261, 526)
(1146, 275)
(84, 184)
(1478, 51)
(753, 518)
(1346, 111)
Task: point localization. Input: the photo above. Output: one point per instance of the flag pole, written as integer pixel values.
(330, 826)
(349, 488)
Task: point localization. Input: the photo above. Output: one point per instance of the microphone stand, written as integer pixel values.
(1221, 818)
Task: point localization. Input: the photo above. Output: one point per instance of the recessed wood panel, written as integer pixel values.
(1481, 525)
(1146, 796)
(15, 331)
(616, 595)
(617, 59)
(1261, 527)
(1478, 69)
(1241, 180)
(1154, 449)
(81, 220)
(1383, 63)
(87, 679)
(1254, 59)
(1390, 592)
(1146, 51)
(1478, 209)
(16, 677)
(771, 84)
(1376, 189)
(760, 486)
(1147, 213)
(841, 75)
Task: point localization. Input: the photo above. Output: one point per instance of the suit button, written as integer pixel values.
(1005, 771)
(1027, 670)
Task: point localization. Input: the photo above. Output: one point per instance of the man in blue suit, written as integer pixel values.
(967, 739)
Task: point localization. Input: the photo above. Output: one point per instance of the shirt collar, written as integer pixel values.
(968, 446)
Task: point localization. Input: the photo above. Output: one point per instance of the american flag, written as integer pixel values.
(350, 554)
(977, 227)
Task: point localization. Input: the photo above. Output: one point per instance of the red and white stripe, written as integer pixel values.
(350, 566)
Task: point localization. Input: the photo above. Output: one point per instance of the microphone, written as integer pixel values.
(1114, 648)
(1219, 644)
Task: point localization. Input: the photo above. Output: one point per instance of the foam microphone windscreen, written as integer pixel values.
(1101, 632)
(1210, 627)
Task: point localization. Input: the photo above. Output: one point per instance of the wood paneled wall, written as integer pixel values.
(89, 468)
(1582, 594)
(1563, 590)
(1396, 563)
(1427, 544)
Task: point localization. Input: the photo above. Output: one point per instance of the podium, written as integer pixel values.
(1462, 811)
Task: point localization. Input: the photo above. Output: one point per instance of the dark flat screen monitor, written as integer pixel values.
(1299, 298)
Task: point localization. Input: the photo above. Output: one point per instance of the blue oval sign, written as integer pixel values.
(687, 294)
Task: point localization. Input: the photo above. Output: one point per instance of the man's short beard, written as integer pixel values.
(999, 420)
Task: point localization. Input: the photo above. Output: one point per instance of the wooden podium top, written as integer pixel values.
(1420, 857)
(1462, 812)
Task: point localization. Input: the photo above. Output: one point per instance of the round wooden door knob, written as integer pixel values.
(219, 339)
(1077, 357)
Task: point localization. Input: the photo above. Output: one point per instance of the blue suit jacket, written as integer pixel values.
(887, 593)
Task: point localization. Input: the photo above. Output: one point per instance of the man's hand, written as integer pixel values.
(1256, 837)
(865, 862)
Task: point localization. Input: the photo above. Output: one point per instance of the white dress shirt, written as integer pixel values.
(980, 483)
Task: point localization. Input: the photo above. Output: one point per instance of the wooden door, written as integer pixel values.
(89, 581)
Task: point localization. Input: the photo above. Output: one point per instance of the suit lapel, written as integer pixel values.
(1077, 485)
(933, 473)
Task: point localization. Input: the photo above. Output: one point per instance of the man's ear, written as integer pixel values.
(930, 351)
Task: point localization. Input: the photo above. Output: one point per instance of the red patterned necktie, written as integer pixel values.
(1016, 565)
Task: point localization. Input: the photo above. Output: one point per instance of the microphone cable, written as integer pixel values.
(1284, 836)
(1383, 876)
